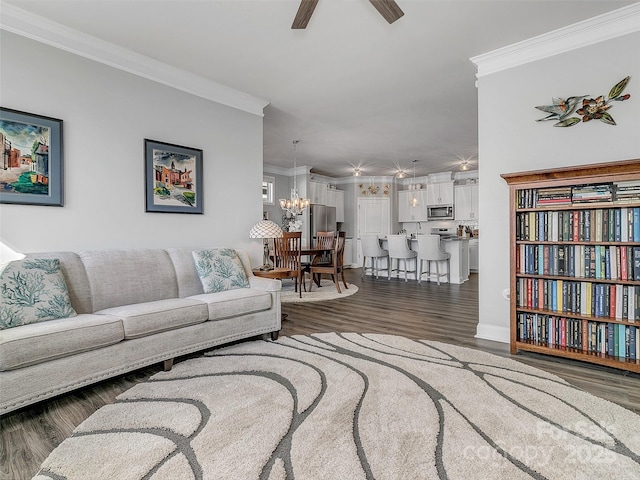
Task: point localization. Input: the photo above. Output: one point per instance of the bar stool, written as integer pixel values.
(430, 251)
(371, 249)
(399, 250)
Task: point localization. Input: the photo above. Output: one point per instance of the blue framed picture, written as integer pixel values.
(31, 166)
(173, 178)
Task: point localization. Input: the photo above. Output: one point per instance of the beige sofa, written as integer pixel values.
(134, 308)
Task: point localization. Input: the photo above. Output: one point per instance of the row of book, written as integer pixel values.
(613, 339)
(621, 192)
(594, 225)
(599, 262)
(587, 299)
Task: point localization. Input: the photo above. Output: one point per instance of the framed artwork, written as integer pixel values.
(31, 166)
(173, 178)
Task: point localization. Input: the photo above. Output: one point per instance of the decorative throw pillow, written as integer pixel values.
(33, 290)
(220, 269)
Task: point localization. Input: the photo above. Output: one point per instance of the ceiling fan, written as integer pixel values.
(389, 9)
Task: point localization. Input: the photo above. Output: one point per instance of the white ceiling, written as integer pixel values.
(353, 89)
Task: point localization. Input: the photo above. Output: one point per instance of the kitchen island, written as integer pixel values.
(458, 247)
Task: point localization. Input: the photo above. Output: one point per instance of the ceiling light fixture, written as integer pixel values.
(464, 165)
(295, 205)
(414, 198)
(401, 174)
(357, 172)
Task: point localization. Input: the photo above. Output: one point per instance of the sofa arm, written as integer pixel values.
(268, 284)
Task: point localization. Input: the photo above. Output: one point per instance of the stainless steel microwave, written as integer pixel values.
(440, 212)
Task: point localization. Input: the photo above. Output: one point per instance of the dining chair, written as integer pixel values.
(287, 250)
(399, 250)
(430, 250)
(324, 240)
(335, 267)
(371, 249)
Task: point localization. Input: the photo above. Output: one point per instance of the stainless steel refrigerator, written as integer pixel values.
(321, 219)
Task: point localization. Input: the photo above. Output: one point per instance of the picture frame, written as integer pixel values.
(31, 167)
(173, 178)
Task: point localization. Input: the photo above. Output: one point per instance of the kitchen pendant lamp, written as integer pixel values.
(414, 198)
(295, 205)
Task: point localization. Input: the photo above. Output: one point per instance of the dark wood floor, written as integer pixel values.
(447, 313)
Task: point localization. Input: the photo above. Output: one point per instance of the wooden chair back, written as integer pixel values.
(287, 251)
(334, 267)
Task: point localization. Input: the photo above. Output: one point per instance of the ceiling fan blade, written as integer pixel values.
(389, 9)
(305, 10)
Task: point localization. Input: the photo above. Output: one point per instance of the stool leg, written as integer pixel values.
(438, 271)
(419, 274)
(364, 266)
(448, 270)
(404, 264)
(375, 267)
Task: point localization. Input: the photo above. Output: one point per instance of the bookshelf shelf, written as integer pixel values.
(575, 263)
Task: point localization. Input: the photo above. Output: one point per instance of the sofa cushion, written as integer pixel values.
(125, 277)
(75, 277)
(220, 269)
(142, 319)
(33, 290)
(41, 342)
(235, 302)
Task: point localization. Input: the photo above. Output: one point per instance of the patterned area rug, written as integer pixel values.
(327, 291)
(351, 406)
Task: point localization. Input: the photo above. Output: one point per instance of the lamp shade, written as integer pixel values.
(265, 229)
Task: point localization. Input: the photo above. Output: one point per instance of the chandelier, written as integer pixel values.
(294, 205)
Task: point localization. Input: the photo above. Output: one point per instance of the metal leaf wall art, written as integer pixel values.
(590, 108)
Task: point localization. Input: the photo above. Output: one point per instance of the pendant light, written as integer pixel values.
(295, 205)
(414, 198)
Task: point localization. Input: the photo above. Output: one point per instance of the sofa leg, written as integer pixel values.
(168, 365)
(270, 336)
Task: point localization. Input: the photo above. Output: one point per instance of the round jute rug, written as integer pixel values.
(327, 291)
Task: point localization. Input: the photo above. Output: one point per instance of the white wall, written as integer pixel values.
(107, 114)
(511, 141)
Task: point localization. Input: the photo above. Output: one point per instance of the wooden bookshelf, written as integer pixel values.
(575, 263)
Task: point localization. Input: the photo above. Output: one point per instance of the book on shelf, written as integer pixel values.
(627, 191)
(610, 338)
(588, 299)
(624, 192)
(600, 262)
(621, 224)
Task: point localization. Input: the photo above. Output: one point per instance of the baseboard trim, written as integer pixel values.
(493, 332)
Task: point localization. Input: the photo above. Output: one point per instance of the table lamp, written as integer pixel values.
(265, 229)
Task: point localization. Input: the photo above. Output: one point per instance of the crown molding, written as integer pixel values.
(285, 171)
(610, 25)
(40, 29)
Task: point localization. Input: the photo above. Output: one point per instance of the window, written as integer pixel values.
(268, 188)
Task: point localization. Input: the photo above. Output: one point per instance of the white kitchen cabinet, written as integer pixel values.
(466, 197)
(440, 193)
(348, 252)
(331, 197)
(318, 193)
(408, 213)
(339, 205)
(474, 254)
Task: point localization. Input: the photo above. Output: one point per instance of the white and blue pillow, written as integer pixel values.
(220, 269)
(33, 290)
